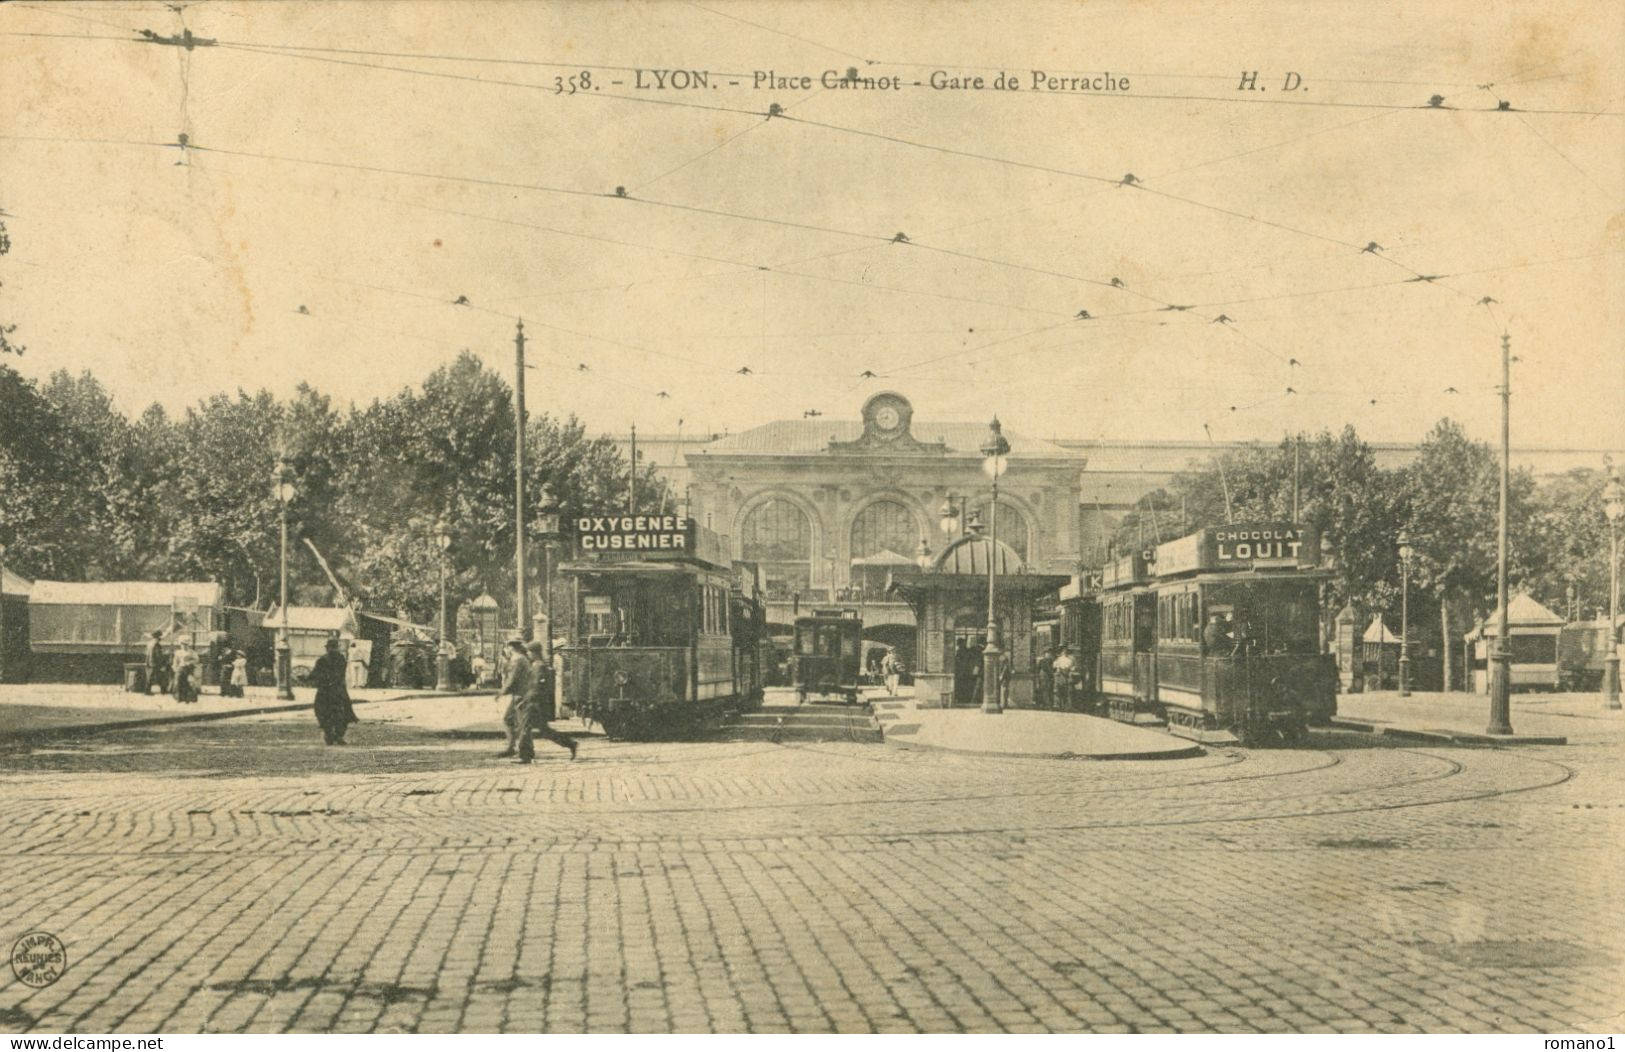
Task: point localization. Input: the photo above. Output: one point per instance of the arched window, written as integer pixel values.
(1013, 529)
(885, 526)
(778, 535)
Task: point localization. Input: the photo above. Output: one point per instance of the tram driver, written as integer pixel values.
(1217, 638)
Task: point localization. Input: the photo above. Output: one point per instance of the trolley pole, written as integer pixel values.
(522, 606)
(1501, 655)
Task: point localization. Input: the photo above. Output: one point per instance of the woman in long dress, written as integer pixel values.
(239, 673)
(186, 674)
(333, 711)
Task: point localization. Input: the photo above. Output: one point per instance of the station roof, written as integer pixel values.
(14, 584)
(971, 555)
(123, 593)
(810, 437)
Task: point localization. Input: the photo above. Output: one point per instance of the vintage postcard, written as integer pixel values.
(811, 517)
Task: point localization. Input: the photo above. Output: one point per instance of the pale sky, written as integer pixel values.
(175, 280)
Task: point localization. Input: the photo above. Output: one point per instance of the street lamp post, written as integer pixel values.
(994, 451)
(282, 489)
(1613, 506)
(1405, 553)
(443, 653)
(549, 533)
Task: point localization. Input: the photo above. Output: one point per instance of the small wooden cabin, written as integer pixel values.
(1533, 637)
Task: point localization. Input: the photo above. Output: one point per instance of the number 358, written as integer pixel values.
(575, 82)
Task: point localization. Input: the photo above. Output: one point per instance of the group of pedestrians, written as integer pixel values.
(528, 686)
(179, 671)
(1060, 680)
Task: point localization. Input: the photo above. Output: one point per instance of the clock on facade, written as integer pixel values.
(887, 418)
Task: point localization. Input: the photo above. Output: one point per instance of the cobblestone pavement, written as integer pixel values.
(237, 876)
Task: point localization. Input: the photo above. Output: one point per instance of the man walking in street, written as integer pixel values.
(537, 707)
(334, 713)
(516, 683)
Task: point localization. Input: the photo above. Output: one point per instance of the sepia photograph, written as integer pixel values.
(781, 517)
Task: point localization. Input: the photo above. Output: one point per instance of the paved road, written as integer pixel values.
(238, 876)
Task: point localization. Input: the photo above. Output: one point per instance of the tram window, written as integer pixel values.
(599, 614)
(1278, 617)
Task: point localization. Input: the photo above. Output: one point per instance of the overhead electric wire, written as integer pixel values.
(1127, 181)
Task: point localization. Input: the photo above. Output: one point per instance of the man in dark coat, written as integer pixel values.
(516, 683)
(536, 707)
(333, 710)
(964, 674)
(155, 656)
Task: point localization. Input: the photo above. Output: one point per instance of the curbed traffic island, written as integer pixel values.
(1027, 733)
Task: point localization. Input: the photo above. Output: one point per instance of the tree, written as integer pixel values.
(1569, 543)
(1342, 495)
(40, 515)
(7, 344)
(1450, 496)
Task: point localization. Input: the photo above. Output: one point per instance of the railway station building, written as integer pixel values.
(831, 508)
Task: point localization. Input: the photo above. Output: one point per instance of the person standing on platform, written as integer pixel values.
(186, 673)
(888, 671)
(155, 655)
(1217, 639)
(1044, 679)
(536, 708)
(964, 673)
(239, 673)
(334, 712)
(516, 682)
(1061, 670)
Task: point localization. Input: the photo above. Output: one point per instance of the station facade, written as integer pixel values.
(830, 508)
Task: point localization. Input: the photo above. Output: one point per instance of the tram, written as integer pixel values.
(826, 658)
(1217, 634)
(667, 632)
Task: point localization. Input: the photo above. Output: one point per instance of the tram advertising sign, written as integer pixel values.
(634, 534)
(1241, 546)
(1261, 544)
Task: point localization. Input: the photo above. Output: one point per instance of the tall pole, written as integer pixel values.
(1297, 447)
(1405, 625)
(522, 606)
(990, 652)
(442, 668)
(1501, 655)
(632, 491)
(994, 449)
(284, 656)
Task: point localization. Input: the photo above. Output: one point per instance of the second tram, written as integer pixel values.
(1215, 633)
